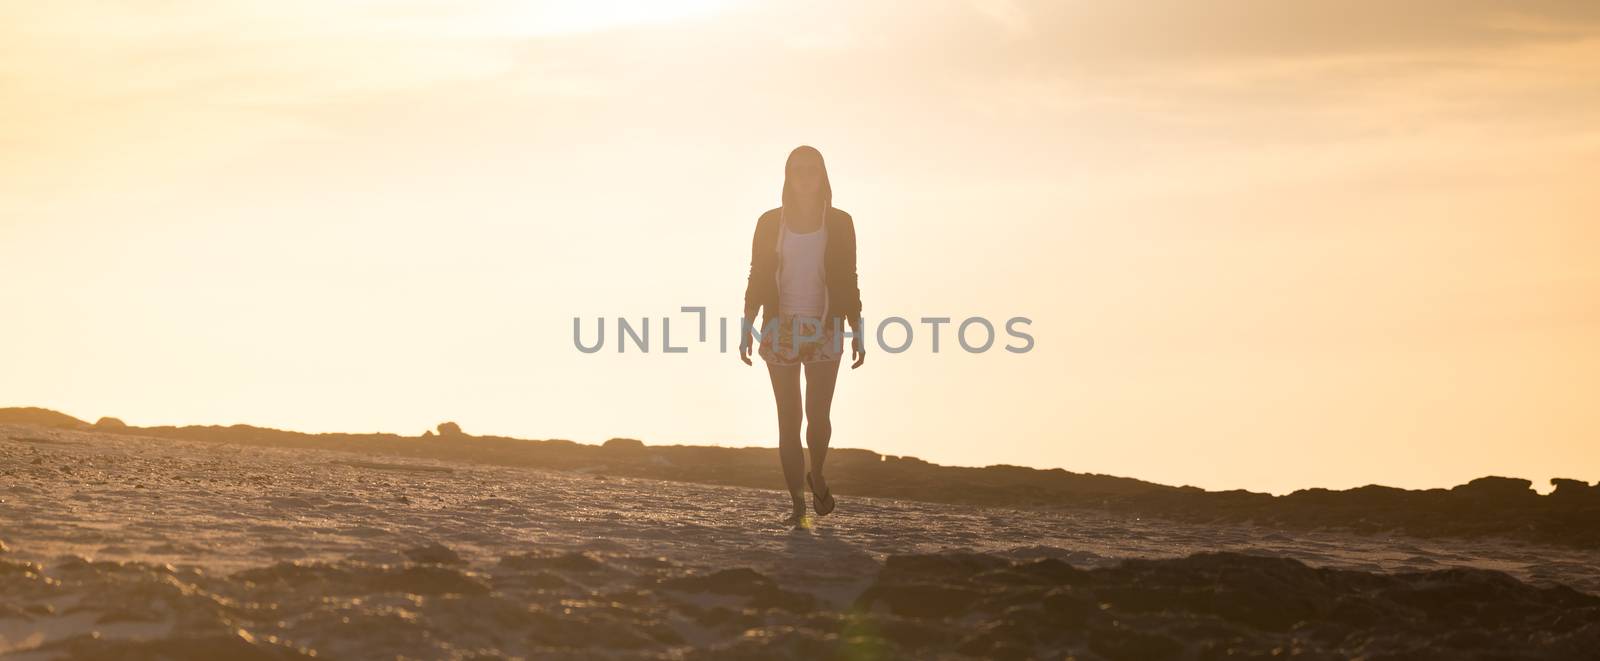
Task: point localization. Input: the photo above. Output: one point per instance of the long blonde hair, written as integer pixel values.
(791, 199)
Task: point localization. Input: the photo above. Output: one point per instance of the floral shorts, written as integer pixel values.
(798, 340)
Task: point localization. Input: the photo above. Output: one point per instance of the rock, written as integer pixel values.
(356, 578)
(427, 580)
(593, 629)
(999, 641)
(920, 600)
(1229, 605)
(624, 445)
(110, 424)
(576, 561)
(1069, 605)
(941, 566)
(209, 646)
(930, 585)
(958, 605)
(1120, 643)
(761, 591)
(1271, 594)
(428, 434)
(1496, 488)
(1575, 491)
(739, 581)
(40, 417)
(434, 553)
(449, 429)
(1045, 571)
(1485, 507)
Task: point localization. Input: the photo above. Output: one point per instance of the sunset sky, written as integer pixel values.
(1264, 245)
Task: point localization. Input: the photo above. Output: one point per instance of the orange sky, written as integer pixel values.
(1265, 245)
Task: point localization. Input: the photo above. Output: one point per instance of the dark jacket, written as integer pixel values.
(838, 263)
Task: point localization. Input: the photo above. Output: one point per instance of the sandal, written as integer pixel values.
(823, 502)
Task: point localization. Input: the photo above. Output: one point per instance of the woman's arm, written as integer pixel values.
(852, 312)
(753, 293)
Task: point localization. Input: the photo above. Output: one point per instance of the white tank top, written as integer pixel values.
(802, 289)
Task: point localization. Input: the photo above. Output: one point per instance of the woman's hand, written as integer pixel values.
(744, 346)
(858, 351)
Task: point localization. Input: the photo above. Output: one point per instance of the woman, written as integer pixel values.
(803, 280)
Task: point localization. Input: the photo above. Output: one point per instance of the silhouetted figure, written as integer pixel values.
(803, 281)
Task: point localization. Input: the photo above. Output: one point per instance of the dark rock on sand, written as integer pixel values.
(1493, 488)
(760, 591)
(434, 553)
(623, 445)
(1487, 507)
(233, 646)
(867, 473)
(929, 585)
(1238, 606)
(41, 418)
(1575, 491)
(959, 605)
(575, 561)
(356, 578)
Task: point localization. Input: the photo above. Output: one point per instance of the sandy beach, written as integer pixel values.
(115, 539)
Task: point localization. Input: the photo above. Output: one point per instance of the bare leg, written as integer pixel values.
(786, 391)
(820, 380)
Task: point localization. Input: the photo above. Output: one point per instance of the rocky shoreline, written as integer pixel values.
(1486, 507)
(132, 546)
(587, 605)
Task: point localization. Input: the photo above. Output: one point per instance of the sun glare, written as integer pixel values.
(578, 17)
